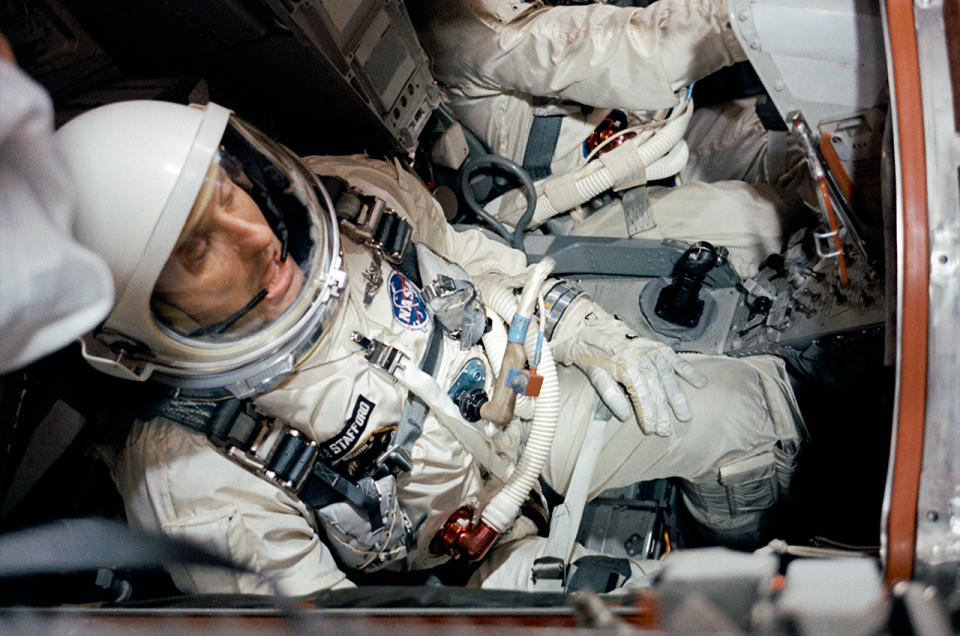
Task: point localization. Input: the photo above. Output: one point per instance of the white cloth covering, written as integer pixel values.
(52, 289)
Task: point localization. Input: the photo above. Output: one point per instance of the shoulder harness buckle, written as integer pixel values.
(278, 453)
(378, 353)
(368, 220)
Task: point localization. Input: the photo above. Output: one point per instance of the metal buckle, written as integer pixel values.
(369, 217)
(549, 567)
(377, 226)
(258, 462)
(398, 456)
(249, 457)
(441, 286)
(309, 446)
(392, 236)
(379, 354)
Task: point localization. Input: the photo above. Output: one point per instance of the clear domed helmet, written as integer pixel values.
(224, 248)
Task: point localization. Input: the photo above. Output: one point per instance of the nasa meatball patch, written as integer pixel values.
(408, 308)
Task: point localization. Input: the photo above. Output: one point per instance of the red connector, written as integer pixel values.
(457, 537)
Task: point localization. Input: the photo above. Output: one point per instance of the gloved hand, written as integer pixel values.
(589, 336)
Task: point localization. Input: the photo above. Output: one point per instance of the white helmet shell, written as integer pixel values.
(137, 163)
(139, 167)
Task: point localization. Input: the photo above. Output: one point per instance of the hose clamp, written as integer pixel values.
(556, 302)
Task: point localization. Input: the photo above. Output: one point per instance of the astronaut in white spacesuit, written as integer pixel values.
(555, 87)
(311, 430)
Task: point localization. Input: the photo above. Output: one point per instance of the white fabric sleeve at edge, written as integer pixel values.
(172, 481)
(601, 55)
(52, 288)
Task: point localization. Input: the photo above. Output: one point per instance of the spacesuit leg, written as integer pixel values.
(735, 457)
(728, 141)
(752, 221)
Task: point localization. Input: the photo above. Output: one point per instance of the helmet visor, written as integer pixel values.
(250, 243)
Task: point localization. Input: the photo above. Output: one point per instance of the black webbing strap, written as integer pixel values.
(368, 220)
(392, 236)
(269, 449)
(598, 573)
(409, 266)
(284, 457)
(541, 144)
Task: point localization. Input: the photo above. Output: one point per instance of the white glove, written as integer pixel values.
(647, 369)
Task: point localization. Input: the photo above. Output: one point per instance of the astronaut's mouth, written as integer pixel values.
(278, 277)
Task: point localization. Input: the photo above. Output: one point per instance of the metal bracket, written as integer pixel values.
(379, 354)
(549, 568)
(440, 287)
(826, 238)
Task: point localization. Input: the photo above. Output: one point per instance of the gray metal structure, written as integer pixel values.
(373, 52)
(823, 58)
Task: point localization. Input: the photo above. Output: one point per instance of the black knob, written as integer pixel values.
(762, 304)
(469, 403)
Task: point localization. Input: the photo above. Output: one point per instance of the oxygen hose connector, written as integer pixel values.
(460, 536)
(470, 402)
(513, 379)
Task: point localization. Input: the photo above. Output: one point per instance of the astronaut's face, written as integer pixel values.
(228, 256)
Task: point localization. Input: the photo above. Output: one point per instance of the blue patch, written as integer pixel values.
(408, 308)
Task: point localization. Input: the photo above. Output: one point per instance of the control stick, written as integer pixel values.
(679, 302)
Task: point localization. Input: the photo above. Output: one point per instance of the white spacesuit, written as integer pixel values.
(508, 68)
(732, 435)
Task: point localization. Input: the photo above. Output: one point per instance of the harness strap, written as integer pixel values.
(368, 220)
(281, 455)
(415, 410)
(268, 448)
(425, 387)
(541, 144)
(550, 570)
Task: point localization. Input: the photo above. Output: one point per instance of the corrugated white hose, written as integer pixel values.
(669, 164)
(596, 179)
(495, 344)
(503, 509)
(531, 292)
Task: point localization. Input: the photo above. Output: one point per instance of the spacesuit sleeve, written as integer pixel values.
(172, 481)
(407, 196)
(596, 54)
